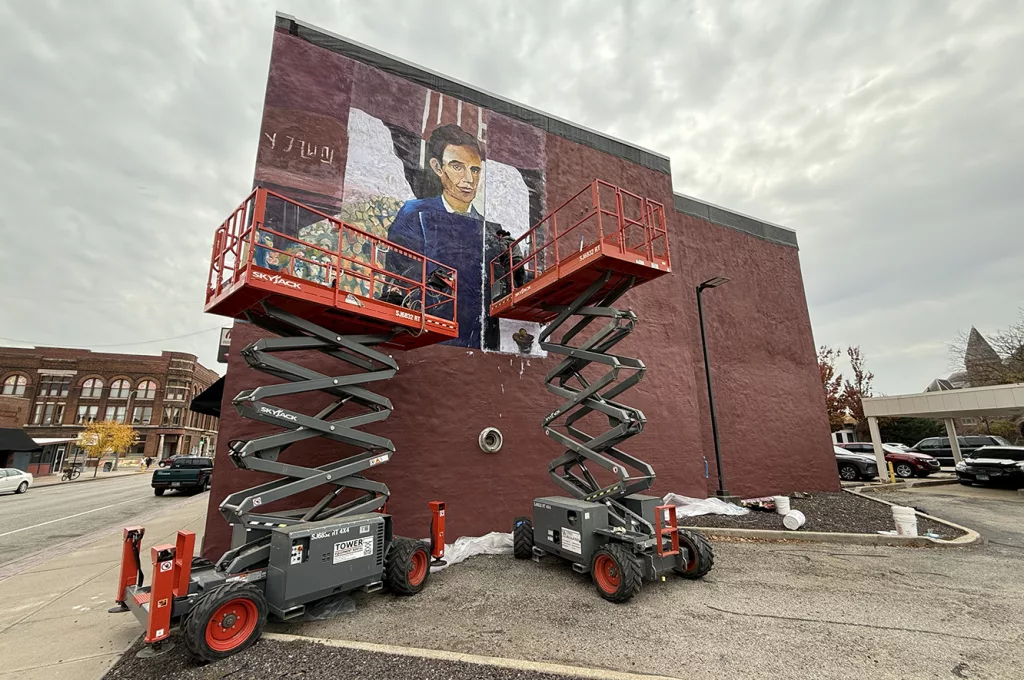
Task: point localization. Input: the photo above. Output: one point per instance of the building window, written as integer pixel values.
(968, 421)
(120, 389)
(172, 415)
(49, 413)
(54, 385)
(86, 414)
(14, 385)
(116, 414)
(92, 388)
(143, 415)
(176, 390)
(146, 390)
(139, 447)
(181, 365)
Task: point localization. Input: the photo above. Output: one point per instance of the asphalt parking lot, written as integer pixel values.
(785, 609)
(791, 609)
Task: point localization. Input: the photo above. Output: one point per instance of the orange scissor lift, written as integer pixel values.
(567, 272)
(321, 285)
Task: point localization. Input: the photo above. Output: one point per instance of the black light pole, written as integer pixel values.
(711, 283)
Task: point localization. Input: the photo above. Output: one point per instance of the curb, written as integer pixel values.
(494, 661)
(970, 535)
(46, 485)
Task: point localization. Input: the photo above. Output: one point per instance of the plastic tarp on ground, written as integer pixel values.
(692, 507)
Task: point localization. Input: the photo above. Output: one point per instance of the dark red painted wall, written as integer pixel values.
(774, 431)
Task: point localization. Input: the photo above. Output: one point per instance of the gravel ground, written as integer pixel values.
(273, 659)
(836, 511)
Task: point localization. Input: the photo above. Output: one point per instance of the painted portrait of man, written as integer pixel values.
(446, 227)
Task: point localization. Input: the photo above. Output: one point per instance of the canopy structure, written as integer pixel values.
(15, 440)
(997, 401)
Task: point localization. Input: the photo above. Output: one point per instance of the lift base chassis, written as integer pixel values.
(574, 530)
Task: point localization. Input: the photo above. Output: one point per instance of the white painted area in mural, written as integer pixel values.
(372, 168)
(508, 204)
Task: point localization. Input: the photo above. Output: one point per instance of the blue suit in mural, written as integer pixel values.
(431, 227)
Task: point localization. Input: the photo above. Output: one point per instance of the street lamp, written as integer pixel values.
(711, 283)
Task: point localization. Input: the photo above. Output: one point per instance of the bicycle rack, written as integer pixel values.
(250, 525)
(583, 397)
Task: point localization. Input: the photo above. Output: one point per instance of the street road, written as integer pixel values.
(50, 515)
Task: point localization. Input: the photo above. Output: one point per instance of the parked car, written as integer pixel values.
(187, 473)
(13, 479)
(166, 462)
(902, 447)
(940, 448)
(905, 464)
(1002, 465)
(854, 466)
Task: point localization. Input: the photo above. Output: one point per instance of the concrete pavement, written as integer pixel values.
(53, 480)
(49, 516)
(54, 623)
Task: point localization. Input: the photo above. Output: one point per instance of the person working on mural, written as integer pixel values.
(446, 228)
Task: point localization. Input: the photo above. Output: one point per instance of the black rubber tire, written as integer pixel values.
(194, 628)
(22, 488)
(903, 470)
(630, 573)
(522, 538)
(702, 552)
(965, 482)
(159, 491)
(398, 563)
(850, 476)
(206, 484)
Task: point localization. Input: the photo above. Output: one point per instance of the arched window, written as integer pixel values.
(119, 389)
(146, 390)
(14, 385)
(92, 388)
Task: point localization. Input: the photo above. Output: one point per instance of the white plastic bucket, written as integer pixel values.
(781, 504)
(906, 520)
(793, 520)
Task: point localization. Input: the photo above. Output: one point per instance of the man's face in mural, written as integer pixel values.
(459, 172)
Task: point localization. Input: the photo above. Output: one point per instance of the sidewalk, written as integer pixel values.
(54, 623)
(51, 480)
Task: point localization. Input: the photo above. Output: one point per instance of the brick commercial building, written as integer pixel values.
(54, 392)
(362, 135)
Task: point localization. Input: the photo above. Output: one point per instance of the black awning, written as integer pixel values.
(208, 401)
(15, 439)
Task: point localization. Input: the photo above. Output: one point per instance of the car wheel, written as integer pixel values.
(965, 482)
(158, 491)
(849, 473)
(22, 488)
(904, 470)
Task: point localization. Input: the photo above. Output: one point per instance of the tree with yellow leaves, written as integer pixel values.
(109, 436)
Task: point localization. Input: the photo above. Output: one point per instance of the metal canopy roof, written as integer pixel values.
(995, 401)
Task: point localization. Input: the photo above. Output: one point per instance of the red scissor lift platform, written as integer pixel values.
(260, 256)
(602, 228)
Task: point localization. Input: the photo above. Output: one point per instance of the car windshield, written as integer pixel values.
(1002, 442)
(1000, 454)
(182, 463)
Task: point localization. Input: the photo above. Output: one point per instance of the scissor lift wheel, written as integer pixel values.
(701, 556)
(617, 573)
(225, 621)
(407, 566)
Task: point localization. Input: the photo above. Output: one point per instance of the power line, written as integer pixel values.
(119, 344)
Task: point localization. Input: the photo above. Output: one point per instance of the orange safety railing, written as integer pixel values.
(263, 234)
(599, 214)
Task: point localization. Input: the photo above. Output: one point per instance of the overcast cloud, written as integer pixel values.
(890, 135)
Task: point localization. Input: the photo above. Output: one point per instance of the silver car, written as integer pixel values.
(12, 479)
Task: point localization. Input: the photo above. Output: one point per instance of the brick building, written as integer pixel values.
(53, 393)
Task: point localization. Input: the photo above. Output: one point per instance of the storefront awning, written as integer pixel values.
(208, 401)
(15, 439)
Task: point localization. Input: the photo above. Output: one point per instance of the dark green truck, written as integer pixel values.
(187, 473)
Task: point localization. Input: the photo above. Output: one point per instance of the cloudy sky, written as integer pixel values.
(890, 135)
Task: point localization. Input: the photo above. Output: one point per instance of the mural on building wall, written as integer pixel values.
(427, 172)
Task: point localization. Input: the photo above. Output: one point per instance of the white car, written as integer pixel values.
(12, 479)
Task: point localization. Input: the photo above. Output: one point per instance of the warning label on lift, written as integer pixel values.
(571, 541)
(350, 550)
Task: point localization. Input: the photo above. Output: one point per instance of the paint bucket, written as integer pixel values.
(906, 520)
(793, 520)
(781, 504)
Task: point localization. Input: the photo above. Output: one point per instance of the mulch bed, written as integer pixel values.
(825, 511)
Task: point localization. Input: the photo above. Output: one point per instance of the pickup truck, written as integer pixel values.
(187, 473)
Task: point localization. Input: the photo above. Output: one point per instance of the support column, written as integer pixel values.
(160, 449)
(876, 442)
(954, 443)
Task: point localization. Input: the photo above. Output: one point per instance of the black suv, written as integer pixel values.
(939, 446)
